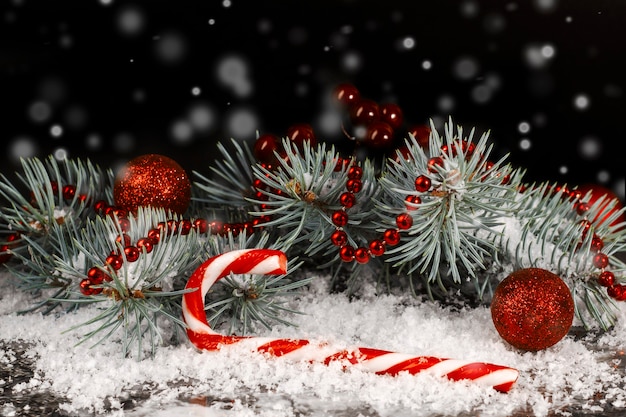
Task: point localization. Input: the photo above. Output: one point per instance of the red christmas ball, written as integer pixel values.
(532, 309)
(152, 180)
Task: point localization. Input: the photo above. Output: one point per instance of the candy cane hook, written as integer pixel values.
(273, 262)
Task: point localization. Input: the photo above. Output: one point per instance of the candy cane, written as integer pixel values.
(273, 262)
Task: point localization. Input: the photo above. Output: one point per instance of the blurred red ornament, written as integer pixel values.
(597, 192)
(152, 180)
(264, 148)
(300, 133)
(347, 94)
(532, 309)
(379, 134)
(392, 114)
(364, 112)
(421, 133)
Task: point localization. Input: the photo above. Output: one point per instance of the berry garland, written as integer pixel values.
(599, 259)
(92, 284)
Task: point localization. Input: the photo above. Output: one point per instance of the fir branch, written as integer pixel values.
(303, 193)
(234, 177)
(138, 294)
(457, 221)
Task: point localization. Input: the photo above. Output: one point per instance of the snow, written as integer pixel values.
(583, 371)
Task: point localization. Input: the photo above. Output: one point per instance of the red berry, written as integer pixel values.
(124, 239)
(391, 237)
(606, 278)
(68, 192)
(364, 112)
(201, 225)
(596, 243)
(124, 224)
(600, 260)
(100, 205)
(435, 162)
(391, 113)
(616, 291)
(96, 275)
(412, 202)
(361, 255)
(339, 238)
(347, 94)
(404, 221)
(355, 173)
(379, 134)
(155, 235)
(422, 183)
(347, 199)
(377, 247)
(185, 227)
(340, 218)
(145, 243)
(114, 261)
(582, 208)
(346, 253)
(132, 253)
(354, 186)
(85, 287)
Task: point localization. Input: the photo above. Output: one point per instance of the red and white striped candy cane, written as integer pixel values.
(272, 262)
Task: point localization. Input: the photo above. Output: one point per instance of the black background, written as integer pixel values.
(117, 86)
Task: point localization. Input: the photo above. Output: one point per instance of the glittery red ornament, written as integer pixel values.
(532, 309)
(152, 180)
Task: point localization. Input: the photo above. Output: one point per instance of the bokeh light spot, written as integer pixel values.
(60, 154)
(590, 147)
(525, 144)
(446, 103)
(181, 132)
(202, 117)
(351, 62)
(170, 47)
(124, 143)
(22, 147)
(56, 131)
(130, 20)
(466, 68)
(523, 127)
(93, 142)
(546, 6)
(39, 111)
(581, 102)
(232, 71)
(482, 93)
(242, 123)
